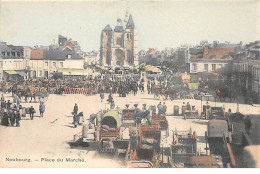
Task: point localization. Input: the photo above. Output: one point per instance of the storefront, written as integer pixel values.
(13, 75)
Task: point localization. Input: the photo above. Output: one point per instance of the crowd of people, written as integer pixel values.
(99, 84)
(12, 112)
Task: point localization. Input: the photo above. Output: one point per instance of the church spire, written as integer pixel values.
(130, 24)
(107, 28)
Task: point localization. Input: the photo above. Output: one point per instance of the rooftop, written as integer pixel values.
(215, 53)
(37, 54)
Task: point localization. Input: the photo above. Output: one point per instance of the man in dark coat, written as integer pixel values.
(75, 109)
(5, 120)
(31, 111)
(8, 105)
(17, 118)
(12, 117)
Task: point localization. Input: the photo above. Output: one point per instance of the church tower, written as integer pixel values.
(119, 47)
(105, 46)
(131, 42)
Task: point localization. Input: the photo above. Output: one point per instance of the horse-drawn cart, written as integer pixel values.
(163, 92)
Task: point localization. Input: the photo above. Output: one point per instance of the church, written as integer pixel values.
(119, 47)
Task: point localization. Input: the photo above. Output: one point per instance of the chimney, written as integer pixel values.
(205, 50)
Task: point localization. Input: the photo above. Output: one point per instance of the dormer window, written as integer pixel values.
(69, 56)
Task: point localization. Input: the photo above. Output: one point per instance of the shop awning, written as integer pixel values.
(21, 73)
(11, 72)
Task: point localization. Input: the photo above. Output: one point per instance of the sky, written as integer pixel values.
(160, 24)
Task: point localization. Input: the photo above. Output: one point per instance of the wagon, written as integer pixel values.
(183, 146)
(163, 92)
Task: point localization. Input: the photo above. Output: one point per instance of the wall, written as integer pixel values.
(13, 64)
(74, 64)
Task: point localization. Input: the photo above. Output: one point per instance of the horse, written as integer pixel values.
(222, 94)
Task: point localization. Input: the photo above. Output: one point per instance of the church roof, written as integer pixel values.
(130, 24)
(107, 28)
(119, 29)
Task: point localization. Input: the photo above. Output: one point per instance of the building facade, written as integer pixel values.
(119, 46)
(12, 62)
(246, 69)
(211, 60)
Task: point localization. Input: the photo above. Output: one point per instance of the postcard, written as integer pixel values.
(130, 84)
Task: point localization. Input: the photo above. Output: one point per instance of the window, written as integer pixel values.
(194, 67)
(46, 63)
(8, 54)
(206, 67)
(40, 72)
(69, 56)
(213, 67)
(27, 53)
(128, 36)
(61, 64)
(54, 64)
